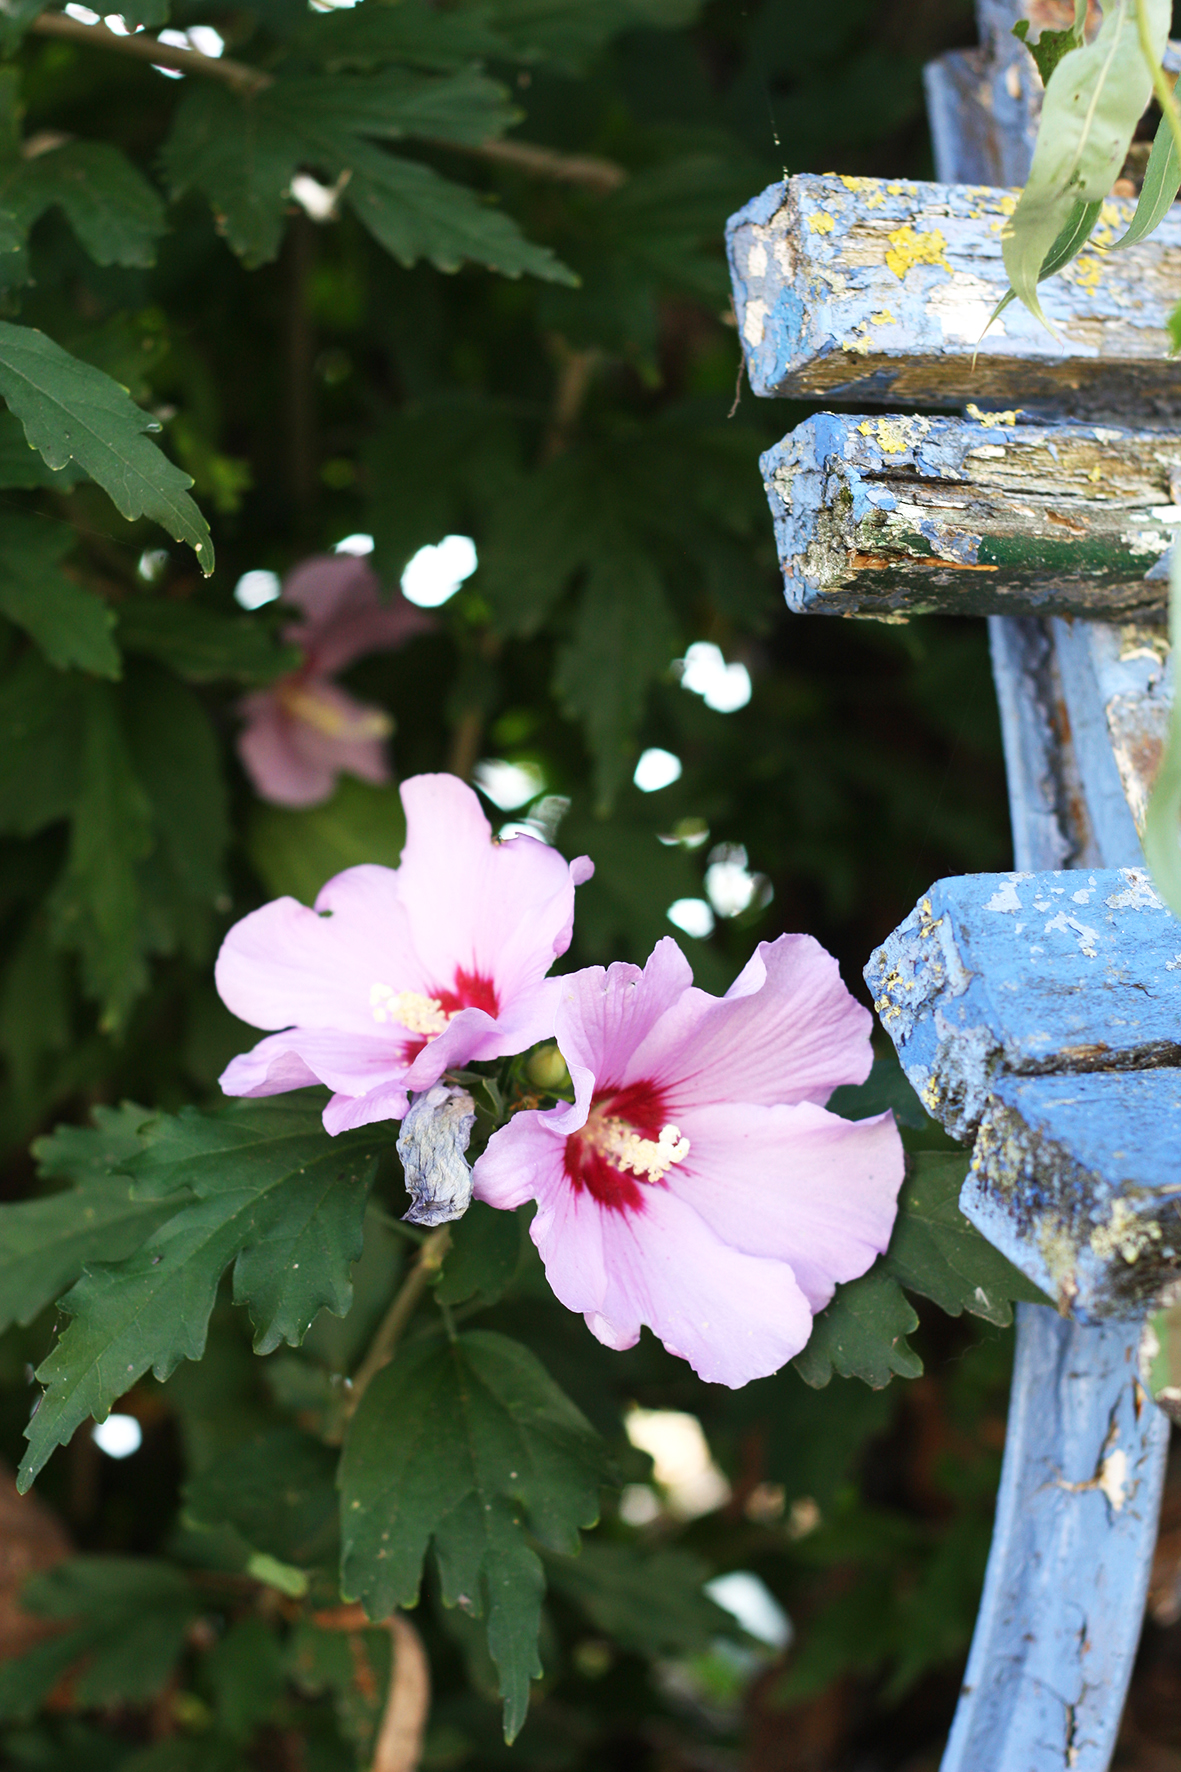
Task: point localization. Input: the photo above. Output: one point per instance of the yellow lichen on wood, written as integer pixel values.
(988, 419)
(820, 223)
(908, 249)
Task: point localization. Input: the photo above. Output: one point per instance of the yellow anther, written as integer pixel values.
(410, 1009)
(649, 1158)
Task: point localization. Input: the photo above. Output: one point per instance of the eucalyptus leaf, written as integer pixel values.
(1093, 101)
(1162, 181)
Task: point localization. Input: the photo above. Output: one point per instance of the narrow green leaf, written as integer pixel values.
(468, 1446)
(178, 761)
(1162, 181)
(1093, 101)
(272, 1194)
(73, 412)
(1162, 825)
(42, 715)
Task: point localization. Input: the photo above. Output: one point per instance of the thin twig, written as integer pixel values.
(399, 1740)
(392, 1325)
(567, 169)
(589, 170)
(142, 46)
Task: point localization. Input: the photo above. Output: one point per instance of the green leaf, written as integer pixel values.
(483, 1259)
(247, 1676)
(1093, 101)
(243, 154)
(651, 1604)
(570, 32)
(73, 412)
(862, 1334)
(117, 215)
(203, 645)
(71, 625)
(1051, 46)
(278, 1492)
(1162, 825)
(178, 761)
(272, 1194)
(413, 32)
(21, 466)
(128, 1618)
(95, 907)
(623, 638)
(470, 1446)
(45, 1243)
(297, 851)
(1162, 181)
(934, 1251)
(42, 714)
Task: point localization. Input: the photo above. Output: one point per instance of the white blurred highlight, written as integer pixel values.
(656, 769)
(508, 785)
(682, 1464)
(118, 1436)
(254, 589)
(358, 544)
(753, 1605)
(704, 672)
(692, 916)
(436, 573)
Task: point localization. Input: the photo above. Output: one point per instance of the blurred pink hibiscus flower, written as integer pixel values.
(697, 1184)
(303, 731)
(400, 974)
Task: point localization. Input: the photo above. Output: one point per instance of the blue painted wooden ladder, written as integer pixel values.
(1031, 1010)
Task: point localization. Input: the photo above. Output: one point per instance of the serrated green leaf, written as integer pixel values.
(483, 1258)
(1158, 193)
(651, 1603)
(20, 464)
(272, 1194)
(128, 1617)
(71, 625)
(936, 1251)
(42, 714)
(278, 1491)
(570, 31)
(117, 215)
(202, 645)
(413, 32)
(297, 851)
(73, 412)
(244, 152)
(1093, 101)
(45, 1243)
(468, 1446)
(623, 639)
(95, 907)
(862, 1334)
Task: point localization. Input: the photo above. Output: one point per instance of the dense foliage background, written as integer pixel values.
(372, 375)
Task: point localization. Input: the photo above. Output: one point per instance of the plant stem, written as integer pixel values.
(390, 1329)
(588, 170)
(1160, 84)
(142, 46)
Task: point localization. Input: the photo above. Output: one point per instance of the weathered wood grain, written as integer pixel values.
(1028, 975)
(870, 291)
(1077, 1179)
(940, 515)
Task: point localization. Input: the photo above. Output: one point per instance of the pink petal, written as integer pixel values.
(344, 1112)
(786, 1031)
(605, 1014)
(502, 910)
(352, 1063)
(733, 1316)
(286, 965)
(794, 1183)
(345, 613)
(279, 771)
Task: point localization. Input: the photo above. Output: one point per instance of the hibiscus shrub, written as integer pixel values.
(400, 1301)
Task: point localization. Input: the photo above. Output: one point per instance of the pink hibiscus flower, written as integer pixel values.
(303, 731)
(697, 1183)
(400, 974)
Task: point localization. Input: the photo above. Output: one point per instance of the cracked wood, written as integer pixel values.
(949, 516)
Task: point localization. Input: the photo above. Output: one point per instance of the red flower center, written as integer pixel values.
(424, 1014)
(627, 1143)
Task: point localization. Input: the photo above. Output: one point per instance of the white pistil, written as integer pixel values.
(650, 1159)
(410, 1009)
